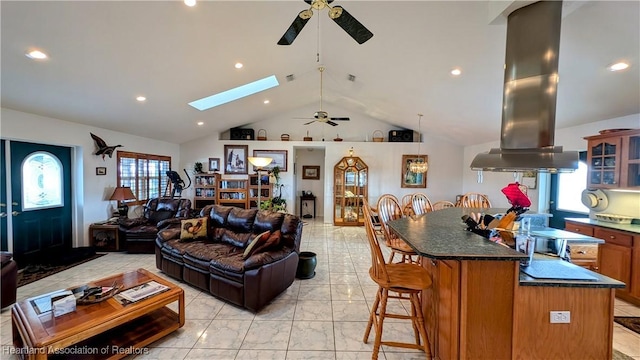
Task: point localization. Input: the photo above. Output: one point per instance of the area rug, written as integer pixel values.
(630, 322)
(36, 272)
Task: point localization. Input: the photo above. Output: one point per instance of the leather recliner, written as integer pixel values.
(159, 213)
(9, 279)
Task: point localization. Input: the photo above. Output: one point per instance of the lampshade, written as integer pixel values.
(122, 193)
(260, 162)
(419, 166)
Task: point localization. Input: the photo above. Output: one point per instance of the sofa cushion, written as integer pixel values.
(157, 216)
(289, 230)
(267, 220)
(241, 220)
(257, 241)
(218, 215)
(193, 229)
(240, 240)
(273, 242)
(232, 262)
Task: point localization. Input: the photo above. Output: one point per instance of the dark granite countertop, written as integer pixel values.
(633, 228)
(442, 235)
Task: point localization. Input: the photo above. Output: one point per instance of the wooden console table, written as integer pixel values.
(104, 330)
(311, 198)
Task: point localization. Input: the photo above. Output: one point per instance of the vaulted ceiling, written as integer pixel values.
(102, 54)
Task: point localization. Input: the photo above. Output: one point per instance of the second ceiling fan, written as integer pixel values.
(323, 116)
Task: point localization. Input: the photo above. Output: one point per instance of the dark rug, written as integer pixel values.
(36, 272)
(630, 322)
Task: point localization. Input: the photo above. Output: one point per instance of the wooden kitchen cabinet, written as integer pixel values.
(441, 307)
(579, 228)
(614, 160)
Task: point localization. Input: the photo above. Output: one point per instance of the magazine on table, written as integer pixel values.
(140, 292)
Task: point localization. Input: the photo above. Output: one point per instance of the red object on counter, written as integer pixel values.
(515, 195)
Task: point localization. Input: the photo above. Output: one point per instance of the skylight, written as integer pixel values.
(235, 93)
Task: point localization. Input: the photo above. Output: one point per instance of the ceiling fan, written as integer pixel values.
(348, 23)
(323, 116)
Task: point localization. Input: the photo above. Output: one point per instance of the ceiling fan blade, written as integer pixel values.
(296, 27)
(340, 118)
(348, 23)
(331, 123)
(310, 122)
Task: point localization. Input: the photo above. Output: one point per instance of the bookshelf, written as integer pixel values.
(232, 192)
(205, 190)
(265, 189)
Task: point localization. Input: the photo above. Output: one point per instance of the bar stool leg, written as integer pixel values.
(372, 316)
(380, 324)
(415, 300)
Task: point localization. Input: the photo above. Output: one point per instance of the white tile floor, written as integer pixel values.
(320, 318)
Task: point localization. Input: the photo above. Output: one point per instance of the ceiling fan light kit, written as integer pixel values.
(323, 116)
(338, 14)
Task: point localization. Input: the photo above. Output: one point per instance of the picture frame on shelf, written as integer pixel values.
(214, 164)
(310, 172)
(279, 159)
(235, 159)
(101, 170)
(409, 179)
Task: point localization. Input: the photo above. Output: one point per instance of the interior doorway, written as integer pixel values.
(311, 159)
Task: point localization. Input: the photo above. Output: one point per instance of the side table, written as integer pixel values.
(304, 198)
(105, 237)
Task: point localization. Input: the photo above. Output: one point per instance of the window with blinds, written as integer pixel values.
(145, 174)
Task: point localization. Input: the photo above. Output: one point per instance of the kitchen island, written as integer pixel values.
(482, 307)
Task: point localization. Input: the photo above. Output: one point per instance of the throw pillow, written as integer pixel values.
(255, 243)
(272, 242)
(192, 229)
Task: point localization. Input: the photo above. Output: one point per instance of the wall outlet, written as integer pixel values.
(560, 317)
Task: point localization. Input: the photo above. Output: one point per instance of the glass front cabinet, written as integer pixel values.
(350, 179)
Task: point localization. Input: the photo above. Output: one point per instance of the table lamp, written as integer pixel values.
(122, 194)
(259, 163)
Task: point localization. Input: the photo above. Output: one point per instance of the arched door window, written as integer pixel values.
(41, 181)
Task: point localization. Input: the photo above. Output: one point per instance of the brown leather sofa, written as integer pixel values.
(159, 213)
(215, 263)
(9, 279)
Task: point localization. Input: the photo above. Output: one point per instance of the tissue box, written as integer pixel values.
(63, 303)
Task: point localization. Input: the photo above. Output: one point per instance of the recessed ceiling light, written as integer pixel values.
(190, 2)
(200, 123)
(266, 101)
(36, 55)
(239, 65)
(141, 98)
(456, 72)
(618, 66)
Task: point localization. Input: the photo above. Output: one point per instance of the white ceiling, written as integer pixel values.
(105, 53)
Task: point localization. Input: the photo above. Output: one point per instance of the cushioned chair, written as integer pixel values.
(9, 279)
(140, 233)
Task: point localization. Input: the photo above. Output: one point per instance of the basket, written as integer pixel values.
(378, 136)
(262, 135)
(284, 137)
(307, 138)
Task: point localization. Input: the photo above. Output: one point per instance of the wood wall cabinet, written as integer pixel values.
(265, 189)
(232, 192)
(618, 257)
(614, 160)
(205, 187)
(350, 188)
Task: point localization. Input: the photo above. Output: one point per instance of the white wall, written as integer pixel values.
(570, 138)
(309, 156)
(91, 192)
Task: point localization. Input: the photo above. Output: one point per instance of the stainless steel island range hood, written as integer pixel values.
(529, 99)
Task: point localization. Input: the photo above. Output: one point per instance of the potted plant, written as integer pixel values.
(276, 203)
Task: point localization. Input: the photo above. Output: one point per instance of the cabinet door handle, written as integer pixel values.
(612, 237)
(582, 252)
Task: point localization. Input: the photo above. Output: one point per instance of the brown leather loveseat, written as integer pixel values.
(159, 213)
(221, 262)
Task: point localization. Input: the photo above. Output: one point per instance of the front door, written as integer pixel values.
(40, 201)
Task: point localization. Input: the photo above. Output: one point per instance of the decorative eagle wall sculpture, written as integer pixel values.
(101, 146)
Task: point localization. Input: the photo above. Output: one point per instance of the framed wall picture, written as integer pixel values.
(310, 172)
(409, 178)
(101, 170)
(235, 159)
(279, 159)
(214, 164)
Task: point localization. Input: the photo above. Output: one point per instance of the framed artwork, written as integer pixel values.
(530, 179)
(409, 178)
(279, 159)
(214, 164)
(235, 159)
(310, 172)
(101, 170)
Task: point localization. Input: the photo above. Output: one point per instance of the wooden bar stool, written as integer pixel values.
(475, 200)
(404, 281)
(442, 204)
(421, 204)
(389, 209)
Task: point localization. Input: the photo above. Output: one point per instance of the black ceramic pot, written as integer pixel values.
(307, 262)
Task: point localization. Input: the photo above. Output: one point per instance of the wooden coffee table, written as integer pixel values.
(107, 329)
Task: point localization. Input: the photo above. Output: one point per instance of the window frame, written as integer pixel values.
(137, 177)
